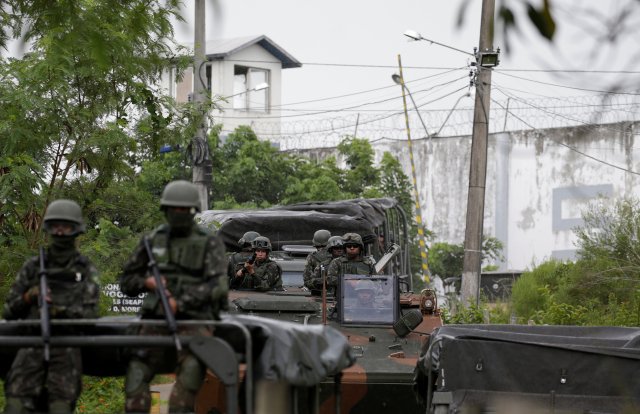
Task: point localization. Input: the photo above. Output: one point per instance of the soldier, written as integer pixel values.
(73, 293)
(192, 263)
(335, 247)
(321, 255)
(263, 274)
(352, 263)
(237, 260)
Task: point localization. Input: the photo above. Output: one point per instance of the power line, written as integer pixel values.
(350, 107)
(374, 66)
(568, 87)
(565, 145)
(369, 90)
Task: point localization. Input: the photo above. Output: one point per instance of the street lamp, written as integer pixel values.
(400, 81)
(413, 35)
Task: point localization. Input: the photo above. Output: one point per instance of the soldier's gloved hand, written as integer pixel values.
(31, 295)
(173, 304)
(150, 283)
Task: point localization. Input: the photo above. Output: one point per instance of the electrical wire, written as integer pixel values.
(350, 108)
(567, 146)
(368, 121)
(566, 87)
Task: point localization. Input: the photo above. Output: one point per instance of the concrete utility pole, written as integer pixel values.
(478, 170)
(202, 166)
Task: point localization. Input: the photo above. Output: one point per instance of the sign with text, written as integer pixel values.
(120, 302)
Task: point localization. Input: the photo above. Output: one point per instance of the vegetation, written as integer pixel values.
(602, 287)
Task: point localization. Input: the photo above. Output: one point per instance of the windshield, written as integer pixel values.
(368, 300)
(290, 278)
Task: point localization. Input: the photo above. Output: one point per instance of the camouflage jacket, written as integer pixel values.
(194, 268)
(267, 276)
(74, 290)
(311, 272)
(236, 262)
(342, 265)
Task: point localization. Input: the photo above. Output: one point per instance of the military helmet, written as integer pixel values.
(321, 237)
(180, 193)
(247, 238)
(261, 242)
(352, 238)
(364, 284)
(335, 242)
(64, 210)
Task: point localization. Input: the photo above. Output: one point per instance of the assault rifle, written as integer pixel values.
(45, 322)
(171, 320)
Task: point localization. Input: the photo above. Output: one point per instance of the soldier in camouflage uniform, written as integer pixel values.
(263, 274)
(352, 263)
(73, 293)
(192, 263)
(238, 259)
(321, 255)
(335, 247)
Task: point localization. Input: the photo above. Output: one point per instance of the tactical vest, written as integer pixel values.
(356, 267)
(180, 260)
(323, 258)
(71, 289)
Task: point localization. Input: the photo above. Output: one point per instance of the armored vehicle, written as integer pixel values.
(385, 334)
(530, 369)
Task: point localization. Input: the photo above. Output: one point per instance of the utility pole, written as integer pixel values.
(201, 160)
(471, 268)
(416, 194)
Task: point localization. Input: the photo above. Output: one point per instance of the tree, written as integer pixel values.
(602, 287)
(362, 173)
(80, 117)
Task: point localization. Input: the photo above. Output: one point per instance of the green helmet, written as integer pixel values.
(321, 237)
(335, 242)
(247, 238)
(64, 210)
(180, 193)
(353, 238)
(261, 242)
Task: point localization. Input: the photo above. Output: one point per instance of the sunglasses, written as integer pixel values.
(351, 246)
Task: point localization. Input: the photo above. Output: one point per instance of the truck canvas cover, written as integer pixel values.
(551, 367)
(295, 224)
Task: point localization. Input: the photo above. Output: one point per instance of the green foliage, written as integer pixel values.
(446, 260)
(602, 286)
(361, 174)
(464, 315)
(101, 395)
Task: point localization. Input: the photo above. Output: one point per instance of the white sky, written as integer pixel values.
(370, 32)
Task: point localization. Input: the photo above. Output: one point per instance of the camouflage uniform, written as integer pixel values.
(314, 260)
(360, 265)
(267, 276)
(238, 259)
(74, 293)
(267, 273)
(193, 263)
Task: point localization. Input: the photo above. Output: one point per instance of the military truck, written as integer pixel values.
(530, 369)
(385, 336)
(282, 363)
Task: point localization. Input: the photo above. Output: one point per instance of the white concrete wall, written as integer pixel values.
(536, 186)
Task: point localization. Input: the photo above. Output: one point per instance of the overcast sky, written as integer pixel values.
(370, 32)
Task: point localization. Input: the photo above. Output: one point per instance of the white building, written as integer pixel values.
(235, 67)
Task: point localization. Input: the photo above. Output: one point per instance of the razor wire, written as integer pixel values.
(513, 112)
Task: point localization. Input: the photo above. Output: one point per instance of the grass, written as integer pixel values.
(102, 395)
